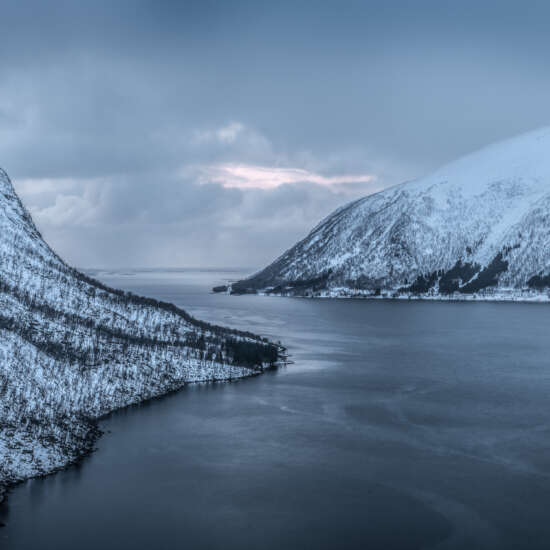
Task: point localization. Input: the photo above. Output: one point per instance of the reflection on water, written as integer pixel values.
(399, 425)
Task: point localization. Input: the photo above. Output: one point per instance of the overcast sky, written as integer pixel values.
(160, 133)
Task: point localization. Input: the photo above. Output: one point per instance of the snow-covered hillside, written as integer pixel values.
(72, 349)
(478, 228)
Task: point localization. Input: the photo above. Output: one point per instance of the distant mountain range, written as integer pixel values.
(72, 350)
(478, 228)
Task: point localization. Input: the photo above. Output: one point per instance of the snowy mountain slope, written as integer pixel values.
(477, 228)
(72, 349)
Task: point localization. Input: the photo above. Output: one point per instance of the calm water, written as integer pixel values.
(400, 425)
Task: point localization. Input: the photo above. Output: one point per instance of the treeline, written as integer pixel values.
(466, 278)
(251, 354)
(126, 297)
(65, 275)
(99, 341)
(539, 281)
(288, 287)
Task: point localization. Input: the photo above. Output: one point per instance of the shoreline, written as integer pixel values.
(454, 299)
(526, 298)
(95, 432)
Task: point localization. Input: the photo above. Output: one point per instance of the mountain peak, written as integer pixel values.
(6, 186)
(523, 158)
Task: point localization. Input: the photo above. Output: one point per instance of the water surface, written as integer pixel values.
(399, 426)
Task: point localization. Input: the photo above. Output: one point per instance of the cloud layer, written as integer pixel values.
(203, 133)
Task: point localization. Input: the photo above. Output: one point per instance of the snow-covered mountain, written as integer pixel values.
(477, 228)
(72, 349)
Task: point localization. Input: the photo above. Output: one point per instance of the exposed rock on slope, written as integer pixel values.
(477, 228)
(72, 349)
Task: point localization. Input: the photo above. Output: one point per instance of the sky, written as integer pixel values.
(179, 134)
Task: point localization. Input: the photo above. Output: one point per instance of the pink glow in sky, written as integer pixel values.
(248, 176)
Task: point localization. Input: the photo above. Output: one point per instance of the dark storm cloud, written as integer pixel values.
(123, 118)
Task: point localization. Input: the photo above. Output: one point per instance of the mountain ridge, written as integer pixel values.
(488, 211)
(73, 349)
